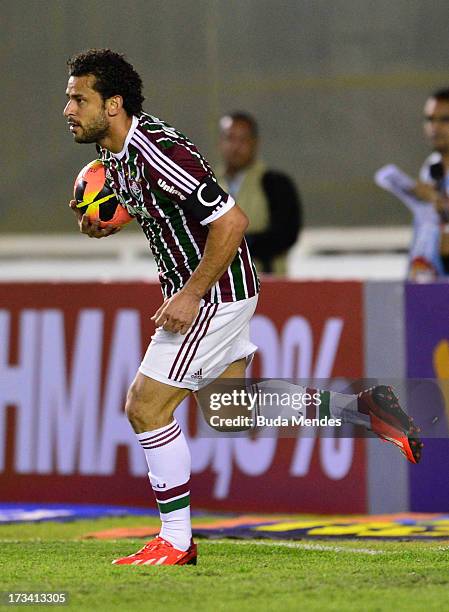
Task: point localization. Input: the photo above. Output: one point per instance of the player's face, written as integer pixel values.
(238, 146)
(85, 110)
(436, 124)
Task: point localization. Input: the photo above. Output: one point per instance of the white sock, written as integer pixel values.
(345, 406)
(168, 459)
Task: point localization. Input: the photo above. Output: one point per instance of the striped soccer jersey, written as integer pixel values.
(162, 179)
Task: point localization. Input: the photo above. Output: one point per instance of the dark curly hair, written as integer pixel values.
(113, 76)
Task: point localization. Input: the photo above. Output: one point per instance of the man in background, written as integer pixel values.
(268, 198)
(433, 184)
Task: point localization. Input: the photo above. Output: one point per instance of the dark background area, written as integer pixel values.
(338, 88)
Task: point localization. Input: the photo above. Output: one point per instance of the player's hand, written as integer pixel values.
(177, 314)
(91, 228)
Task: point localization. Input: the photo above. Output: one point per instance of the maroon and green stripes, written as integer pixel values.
(315, 410)
(324, 410)
(173, 499)
(175, 504)
(152, 177)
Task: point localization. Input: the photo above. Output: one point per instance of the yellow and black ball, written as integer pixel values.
(96, 200)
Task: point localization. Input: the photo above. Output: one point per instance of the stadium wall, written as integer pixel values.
(68, 352)
(337, 95)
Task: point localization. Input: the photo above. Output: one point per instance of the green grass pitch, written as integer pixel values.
(340, 575)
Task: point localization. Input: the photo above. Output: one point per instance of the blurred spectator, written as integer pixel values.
(433, 183)
(269, 198)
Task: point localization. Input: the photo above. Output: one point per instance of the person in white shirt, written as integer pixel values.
(433, 183)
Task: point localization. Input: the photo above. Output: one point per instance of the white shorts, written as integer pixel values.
(218, 337)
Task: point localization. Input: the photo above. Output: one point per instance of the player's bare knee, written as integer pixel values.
(143, 416)
(145, 410)
(137, 403)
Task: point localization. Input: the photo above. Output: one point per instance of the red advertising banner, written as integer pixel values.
(68, 352)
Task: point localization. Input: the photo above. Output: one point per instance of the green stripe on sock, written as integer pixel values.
(176, 504)
(324, 406)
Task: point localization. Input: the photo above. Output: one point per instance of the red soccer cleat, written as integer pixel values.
(390, 422)
(160, 552)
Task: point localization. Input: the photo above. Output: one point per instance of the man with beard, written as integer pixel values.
(209, 284)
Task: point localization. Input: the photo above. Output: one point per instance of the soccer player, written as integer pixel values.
(210, 286)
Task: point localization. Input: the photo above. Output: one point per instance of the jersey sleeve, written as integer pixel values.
(208, 202)
(180, 172)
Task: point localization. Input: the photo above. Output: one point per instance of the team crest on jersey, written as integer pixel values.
(136, 189)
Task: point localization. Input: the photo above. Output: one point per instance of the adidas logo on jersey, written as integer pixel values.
(170, 189)
(198, 375)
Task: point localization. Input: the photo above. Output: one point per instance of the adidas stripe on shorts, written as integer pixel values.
(218, 337)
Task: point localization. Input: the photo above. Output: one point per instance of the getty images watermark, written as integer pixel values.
(257, 408)
(285, 407)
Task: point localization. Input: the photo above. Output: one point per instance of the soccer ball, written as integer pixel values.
(96, 200)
